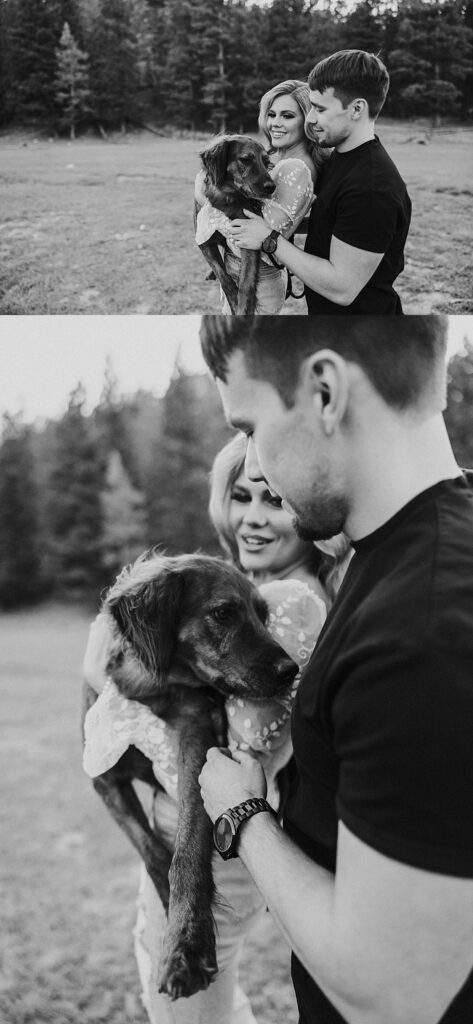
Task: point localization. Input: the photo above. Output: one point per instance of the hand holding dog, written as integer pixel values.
(251, 232)
(226, 781)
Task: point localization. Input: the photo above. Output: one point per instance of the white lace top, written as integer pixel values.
(113, 723)
(283, 212)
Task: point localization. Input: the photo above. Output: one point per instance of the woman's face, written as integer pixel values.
(285, 122)
(263, 531)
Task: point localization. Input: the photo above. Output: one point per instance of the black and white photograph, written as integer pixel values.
(139, 137)
(181, 542)
(236, 511)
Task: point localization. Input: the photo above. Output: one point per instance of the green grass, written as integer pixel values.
(106, 227)
(68, 876)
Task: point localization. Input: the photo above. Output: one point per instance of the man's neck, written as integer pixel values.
(361, 133)
(418, 458)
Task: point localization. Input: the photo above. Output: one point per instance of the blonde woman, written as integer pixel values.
(296, 161)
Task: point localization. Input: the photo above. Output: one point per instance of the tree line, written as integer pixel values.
(84, 495)
(204, 64)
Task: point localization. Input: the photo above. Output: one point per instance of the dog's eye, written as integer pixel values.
(221, 614)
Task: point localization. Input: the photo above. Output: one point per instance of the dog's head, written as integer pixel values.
(239, 163)
(197, 621)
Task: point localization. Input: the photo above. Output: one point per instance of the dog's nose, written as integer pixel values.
(269, 187)
(286, 671)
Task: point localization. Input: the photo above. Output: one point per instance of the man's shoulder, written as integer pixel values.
(422, 587)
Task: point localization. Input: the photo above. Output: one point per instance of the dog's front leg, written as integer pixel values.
(189, 959)
(122, 802)
(211, 253)
(248, 281)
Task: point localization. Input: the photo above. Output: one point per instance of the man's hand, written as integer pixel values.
(249, 233)
(226, 780)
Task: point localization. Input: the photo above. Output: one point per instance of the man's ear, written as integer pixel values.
(326, 377)
(358, 107)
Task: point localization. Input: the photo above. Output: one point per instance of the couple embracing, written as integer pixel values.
(322, 139)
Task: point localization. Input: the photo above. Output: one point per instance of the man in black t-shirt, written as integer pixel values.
(372, 878)
(360, 218)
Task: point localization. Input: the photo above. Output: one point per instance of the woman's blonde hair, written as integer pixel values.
(301, 94)
(228, 464)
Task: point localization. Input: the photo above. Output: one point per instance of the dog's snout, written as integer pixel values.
(286, 671)
(269, 187)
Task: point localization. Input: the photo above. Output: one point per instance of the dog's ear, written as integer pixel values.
(147, 615)
(215, 159)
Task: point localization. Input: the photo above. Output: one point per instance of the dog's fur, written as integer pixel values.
(187, 632)
(236, 178)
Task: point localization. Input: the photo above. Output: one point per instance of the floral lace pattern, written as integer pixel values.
(113, 723)
(283, 212)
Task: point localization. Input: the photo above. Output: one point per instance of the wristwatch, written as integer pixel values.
(270, 244)
(227, 824)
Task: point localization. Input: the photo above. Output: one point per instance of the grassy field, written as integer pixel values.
(106, 227)
(68, 876)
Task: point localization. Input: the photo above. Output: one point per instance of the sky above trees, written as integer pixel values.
(43, 359)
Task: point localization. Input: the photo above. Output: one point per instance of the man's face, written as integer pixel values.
(287, 449)
(328, 121)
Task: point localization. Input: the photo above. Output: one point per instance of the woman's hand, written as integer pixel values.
(249, 233)
(226, 780)
(97, 653)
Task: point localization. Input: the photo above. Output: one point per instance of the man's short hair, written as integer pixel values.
(402, 357)
(352, 74)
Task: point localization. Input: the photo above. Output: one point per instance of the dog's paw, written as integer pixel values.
(189, 964)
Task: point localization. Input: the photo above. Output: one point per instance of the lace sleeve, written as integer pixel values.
(296, 616)
(293, 196)
(115, 723)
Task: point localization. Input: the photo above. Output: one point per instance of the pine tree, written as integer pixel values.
(432, 58)
(183, 75)
(193, 430)
(76, 520)
(210, 26)
(114, 70)
(72, 80)
(364, 28)
(125, 527)
(31, 31)
(20, 559)
(33, 36)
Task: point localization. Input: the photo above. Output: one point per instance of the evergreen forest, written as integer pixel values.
(84, 495)
(203, 65)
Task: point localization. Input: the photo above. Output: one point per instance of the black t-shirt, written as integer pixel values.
(363, 201)
(383, 720)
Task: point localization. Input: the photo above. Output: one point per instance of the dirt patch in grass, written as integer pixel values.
(106, 227)
(68, 876)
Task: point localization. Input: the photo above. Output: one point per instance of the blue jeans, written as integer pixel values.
(270, 290)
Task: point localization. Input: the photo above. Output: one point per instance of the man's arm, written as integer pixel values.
(385, 942)
(340, 278)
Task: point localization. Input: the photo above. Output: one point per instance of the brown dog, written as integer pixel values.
(188, 631)
(236, 178)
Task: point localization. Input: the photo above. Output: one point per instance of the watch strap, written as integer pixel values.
(247, 808)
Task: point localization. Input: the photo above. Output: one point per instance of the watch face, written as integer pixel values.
(270, 244)
(224, 832)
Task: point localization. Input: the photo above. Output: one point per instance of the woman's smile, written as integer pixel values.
(265, 537)
(253, 540)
